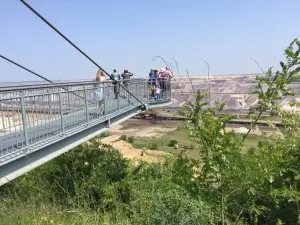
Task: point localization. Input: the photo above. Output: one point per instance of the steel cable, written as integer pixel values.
(76, 47)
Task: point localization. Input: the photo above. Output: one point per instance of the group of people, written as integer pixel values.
(159, 82)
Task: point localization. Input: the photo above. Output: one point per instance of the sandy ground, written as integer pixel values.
(139, 128)
(143, 128)
(134, 154)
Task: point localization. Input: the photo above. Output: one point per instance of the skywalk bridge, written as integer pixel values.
(41, 122)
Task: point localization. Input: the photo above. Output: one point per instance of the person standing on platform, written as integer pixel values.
(99, 90)
(161, 81)
(168, 75)
(117, 77)
(126, 76)
(152, 83)
(157, 91)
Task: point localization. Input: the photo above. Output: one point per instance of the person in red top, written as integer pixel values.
(161, 77)
(167, 76)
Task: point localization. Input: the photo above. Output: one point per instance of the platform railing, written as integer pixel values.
(35, 116)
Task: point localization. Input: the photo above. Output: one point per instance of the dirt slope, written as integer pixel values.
(132, 153)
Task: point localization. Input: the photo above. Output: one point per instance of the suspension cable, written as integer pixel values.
(76, 47)
(24, 68)
(178, 69)
(36, 74)
(187, 71)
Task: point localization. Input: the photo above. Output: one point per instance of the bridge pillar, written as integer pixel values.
(107, 123)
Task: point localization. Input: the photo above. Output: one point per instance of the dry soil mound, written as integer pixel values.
(132, 153)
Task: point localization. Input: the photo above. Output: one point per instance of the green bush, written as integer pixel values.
(131, 139)
(139, 145)
(172, 143)
(230, 184)
(123, 138)
(105, 134)
(166, 203)
(78, 178)
(153, 146)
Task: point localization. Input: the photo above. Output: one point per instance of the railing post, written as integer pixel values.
(136, 89)
(104, 98)
(69, 103)
(24, 120)
(118, 101)
(147, 91)
(108, 86)
(128, 95)
(49, 102)
(145, 95)
(170, 90)
(86, 105)
(61, 113)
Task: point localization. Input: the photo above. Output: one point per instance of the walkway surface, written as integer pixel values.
(33, 118)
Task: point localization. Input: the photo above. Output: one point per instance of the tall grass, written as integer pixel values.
(93, 186)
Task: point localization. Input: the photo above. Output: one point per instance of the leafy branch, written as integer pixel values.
(271, 88)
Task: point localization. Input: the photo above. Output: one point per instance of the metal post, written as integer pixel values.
(49, 102)
(170, 89)
(69, 103)
(86, 105)
(104, 98)
(108, 86)
(136, 89)
(61, 113)
(148, 91)
(118, 101)
(145, 95)
(24, 120)
(128, 100)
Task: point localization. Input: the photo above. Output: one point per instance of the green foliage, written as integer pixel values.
(181, 126)
(260, 187)
(100, 187)
(165, 204)
(105, 134)
(131, 139)
(229, 184)
(172, 143)
(153, 146)
(123, 138)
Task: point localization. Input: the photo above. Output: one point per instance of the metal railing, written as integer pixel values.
(35, 116)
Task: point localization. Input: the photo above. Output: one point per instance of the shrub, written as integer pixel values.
(172, 143)
(153, 146)
(131, 139)
(139, 145)
(182, 126)
(123, 138)
(105, 134)
(167, 203)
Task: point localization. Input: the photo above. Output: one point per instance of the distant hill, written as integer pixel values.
(234, 89)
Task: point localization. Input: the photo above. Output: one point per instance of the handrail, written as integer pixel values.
(36, 86)
(19, 84)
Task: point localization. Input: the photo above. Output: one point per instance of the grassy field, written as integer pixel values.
(181, 135)
(171, 112)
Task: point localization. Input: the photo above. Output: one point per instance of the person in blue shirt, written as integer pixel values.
(152, 82)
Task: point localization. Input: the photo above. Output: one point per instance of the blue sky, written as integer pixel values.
(128, 34)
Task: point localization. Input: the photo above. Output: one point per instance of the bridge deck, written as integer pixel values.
(32, 119)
